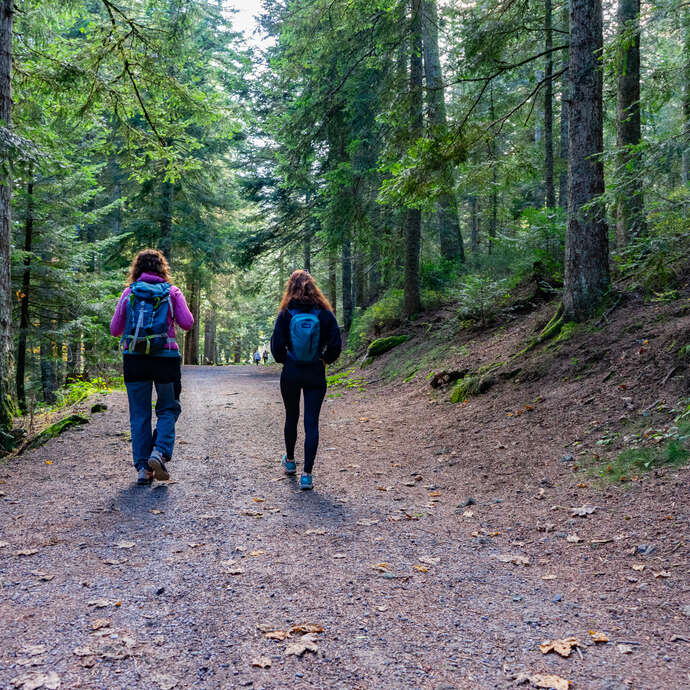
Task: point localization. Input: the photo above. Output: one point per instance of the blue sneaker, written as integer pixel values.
(305, 482)
(290, 466)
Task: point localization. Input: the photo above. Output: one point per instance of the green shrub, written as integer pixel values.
(480, 297)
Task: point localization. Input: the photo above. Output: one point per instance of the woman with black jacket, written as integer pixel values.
(305, 338)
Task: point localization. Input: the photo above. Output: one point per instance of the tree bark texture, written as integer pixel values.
(332, 281)
(685, 122)
(166, 219)
(474, 223)
(191, 337)
(548, 108)
(7, 388)
(565, 104)
(24, 296)
(630, 206)
(210, 336)
(413, 226)
(346, 281)
(448, 225)
(586, 248)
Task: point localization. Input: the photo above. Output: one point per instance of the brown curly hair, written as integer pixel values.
(149, 261)
(302, 288)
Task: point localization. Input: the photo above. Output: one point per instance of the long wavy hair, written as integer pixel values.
(149, 261)
(302, 288)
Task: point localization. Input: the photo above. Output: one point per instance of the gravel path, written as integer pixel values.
(176, 585)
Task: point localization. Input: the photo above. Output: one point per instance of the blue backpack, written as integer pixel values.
(305, 332)
(146, 327)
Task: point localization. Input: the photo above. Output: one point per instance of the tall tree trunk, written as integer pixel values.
(685, 121)
(493, 219)
(332, 281)
(630, 206)
(374, 272)
(548, 109)
(47, 361)
(347, 281)
(474, 223)
(166, 219)
(210, 336)
(565, 104)
(448, 226)
(191, 337)
(358, 269)
(24, 296)
(413, 226)
(7, 388)
(586, 247)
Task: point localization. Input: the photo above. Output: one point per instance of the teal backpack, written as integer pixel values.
(305, 332)
(146, 326)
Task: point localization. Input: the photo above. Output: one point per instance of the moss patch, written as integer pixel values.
(381, 345)
(56, 429)
(98, 407)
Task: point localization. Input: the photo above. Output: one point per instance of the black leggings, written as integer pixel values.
(291, 388)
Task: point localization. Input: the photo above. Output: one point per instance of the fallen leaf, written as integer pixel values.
(301, 628)
(315, 531)
(258, 552)
(384, 488)
(420, 568)
(44, 577)
(662, 573)
(562, 647)
(125, 544)
(598, 636)
(367, 523)
(582, 511)
(548, 577)
(573, 538)
(547, 680)
(382, 608)
(155, 511)
(468, 514)
(252, 513)
(258, 499)
(430, 560)
(624, 648)
(113, 561)
(434, 493)
(261, 662)
(638, 566)
(195, 544)
(276, 635)
(37, 679)
(100, 623)
(49, 462)
(101, 603)
(516, 559)
(381, 567)
(26, 552)
(306, 643)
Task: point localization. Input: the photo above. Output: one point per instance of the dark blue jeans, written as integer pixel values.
(167, 411)
(292, 384)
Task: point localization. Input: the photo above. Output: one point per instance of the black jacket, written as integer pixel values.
(330, 344)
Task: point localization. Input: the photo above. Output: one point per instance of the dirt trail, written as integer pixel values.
(232, 545)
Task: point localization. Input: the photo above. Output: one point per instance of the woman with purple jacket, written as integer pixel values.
(151, 358)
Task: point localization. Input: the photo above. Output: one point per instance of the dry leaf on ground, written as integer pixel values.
(547, 680)
(598, 636)
(562, 647)
(125, 544)
(306, 643)
(573, 538)
(26, 552)
(300, 628)
(100, 623)
(276, 635)
(624, 648)
(261, 662)
(430, 560)
(36, 680)
(101, 603)
(513, 558)
(258, 499)
(638, 566)
(155, 511)
(662, 573)
(258, 552)
(315, 531)
(367, 522)
(582, 511)
(382, 567)
(548, 577)
(420, 568)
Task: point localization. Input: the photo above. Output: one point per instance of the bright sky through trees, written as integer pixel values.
(243, 18)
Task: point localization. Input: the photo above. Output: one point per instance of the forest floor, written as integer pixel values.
(438, 549)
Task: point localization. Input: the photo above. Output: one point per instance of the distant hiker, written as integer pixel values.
(265, 356)
(257, 358)
(305, 338)
(145, 317)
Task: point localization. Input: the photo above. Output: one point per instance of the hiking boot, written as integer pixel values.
(305, 482)
(145, 477)
(157, 466)
(290, 466)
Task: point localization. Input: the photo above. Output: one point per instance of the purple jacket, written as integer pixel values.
(182, 316)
